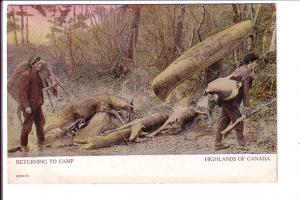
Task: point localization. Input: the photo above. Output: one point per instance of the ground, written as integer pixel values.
(196, 138)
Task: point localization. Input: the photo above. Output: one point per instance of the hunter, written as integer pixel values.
(31, 101)
(243, 75)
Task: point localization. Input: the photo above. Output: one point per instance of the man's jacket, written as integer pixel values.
(30, 90)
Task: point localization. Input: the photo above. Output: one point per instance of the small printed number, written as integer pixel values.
(22, 175)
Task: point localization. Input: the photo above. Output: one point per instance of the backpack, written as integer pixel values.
(225, 88)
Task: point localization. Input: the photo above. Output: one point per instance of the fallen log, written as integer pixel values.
(200, 57)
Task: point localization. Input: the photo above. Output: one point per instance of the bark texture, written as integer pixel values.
(200, 57)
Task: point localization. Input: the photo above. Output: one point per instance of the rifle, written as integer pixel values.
(232, 125)
(45, 88)
(59, 84)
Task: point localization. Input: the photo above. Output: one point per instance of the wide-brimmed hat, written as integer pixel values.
(33, 59)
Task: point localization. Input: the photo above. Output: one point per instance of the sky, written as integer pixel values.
(38, 25)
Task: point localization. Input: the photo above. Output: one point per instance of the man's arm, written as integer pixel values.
(246, 96)
(23, 86)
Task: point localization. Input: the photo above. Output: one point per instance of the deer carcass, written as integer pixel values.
(88, 107)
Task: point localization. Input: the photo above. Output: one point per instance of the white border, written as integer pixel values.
(288, 134)
(145, 169)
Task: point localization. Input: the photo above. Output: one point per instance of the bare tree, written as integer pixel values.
(178, 32)
(273, 39)
(134, 31)
(74, 13)
(27, 26)
(237, 17)
(21, 14)
(15, 25)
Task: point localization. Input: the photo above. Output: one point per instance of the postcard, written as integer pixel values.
(140, 93)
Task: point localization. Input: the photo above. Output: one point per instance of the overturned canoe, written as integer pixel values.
(199, 57)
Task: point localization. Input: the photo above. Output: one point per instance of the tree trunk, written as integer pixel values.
(134, 32)
(15, 25)
(200, 57)
(74, 13)
(70, 45)
(27, 28)
(178, 32)
(54, 15)
(22, 25)
(273, 41)
(257, 9)
(237, 14)
(213, 71)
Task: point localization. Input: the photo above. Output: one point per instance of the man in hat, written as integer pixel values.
(230, 108)
(31, 101)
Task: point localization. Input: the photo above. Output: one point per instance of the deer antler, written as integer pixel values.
(133, 95)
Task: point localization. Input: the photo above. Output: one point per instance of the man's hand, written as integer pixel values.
(247, 111)
(28, 110)
(212, 102)
(22, 119)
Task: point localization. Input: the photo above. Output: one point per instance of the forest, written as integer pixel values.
(120, 49)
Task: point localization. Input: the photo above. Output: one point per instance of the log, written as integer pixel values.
(199, 57)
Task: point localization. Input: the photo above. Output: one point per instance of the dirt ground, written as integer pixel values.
(197, 138)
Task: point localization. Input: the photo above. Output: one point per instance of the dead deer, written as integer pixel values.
(88, 106)
(46, 74)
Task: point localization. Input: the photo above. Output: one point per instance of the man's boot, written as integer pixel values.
(241, 143)
(24, 149)
(220, 146)
(240, 139)
(218, 142)
(41, 145)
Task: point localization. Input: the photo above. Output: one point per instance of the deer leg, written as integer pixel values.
(58, 124)
(115, 113)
